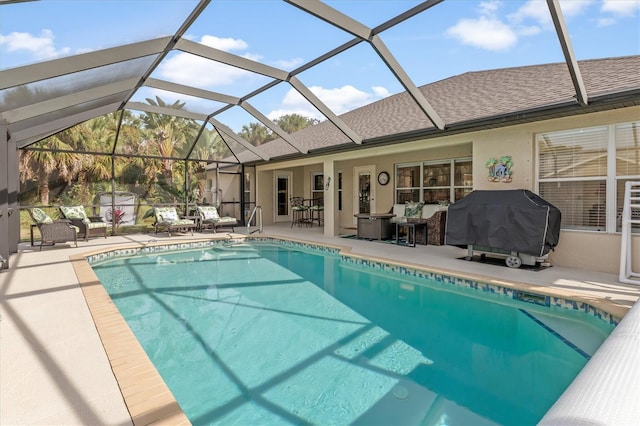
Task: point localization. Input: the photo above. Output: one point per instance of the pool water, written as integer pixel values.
(263, 334)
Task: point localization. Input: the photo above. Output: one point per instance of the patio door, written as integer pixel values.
(364, 190)
(282, 193)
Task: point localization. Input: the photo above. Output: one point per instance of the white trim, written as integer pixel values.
(357, 171)
(289, 176)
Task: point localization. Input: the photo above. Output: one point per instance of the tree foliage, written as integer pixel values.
(74, 165)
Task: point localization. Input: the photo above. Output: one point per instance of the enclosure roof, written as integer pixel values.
(40, 99)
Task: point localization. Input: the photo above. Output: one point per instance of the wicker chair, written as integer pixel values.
(88, 226)
(52, 232)
(167, 219)
(210, 218)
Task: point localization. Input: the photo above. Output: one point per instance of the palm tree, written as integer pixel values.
(168, 137)
(256, 133)
(164, 135)
(291, 123)
(41, 165)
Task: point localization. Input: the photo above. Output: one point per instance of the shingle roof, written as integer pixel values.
(507, 93)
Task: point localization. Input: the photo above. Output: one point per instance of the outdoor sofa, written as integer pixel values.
(435, 216)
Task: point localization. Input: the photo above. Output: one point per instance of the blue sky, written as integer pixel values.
(451, 38)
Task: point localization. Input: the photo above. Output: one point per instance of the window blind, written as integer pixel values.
(573, 154)
(628, 149)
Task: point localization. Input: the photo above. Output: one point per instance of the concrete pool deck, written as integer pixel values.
(54, 367)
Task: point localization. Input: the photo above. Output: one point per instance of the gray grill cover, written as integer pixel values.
(511, 220)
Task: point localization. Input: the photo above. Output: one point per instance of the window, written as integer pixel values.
(317, 188)
(434, 181)
(582, 172)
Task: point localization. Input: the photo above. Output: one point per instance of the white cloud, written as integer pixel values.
(529, 31)
(339, 100)
(605, 22)
(572, 8)
(289, 64)
(485, 33)
(489, 8)
(226, 44)
(380, 92)
(536, 10)
(342, 99)
(621, 7)
(41, 47)
(196, 71)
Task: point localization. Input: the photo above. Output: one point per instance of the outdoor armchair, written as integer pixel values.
(59, 231)
(166, 218)
(88, 226)
(209, 217)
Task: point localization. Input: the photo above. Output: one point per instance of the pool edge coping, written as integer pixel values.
(148, 398)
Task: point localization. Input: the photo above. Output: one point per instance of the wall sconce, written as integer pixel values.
(326, 185)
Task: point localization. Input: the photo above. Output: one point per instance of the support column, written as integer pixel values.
(4, 197)
(331, 217)
(13, 185)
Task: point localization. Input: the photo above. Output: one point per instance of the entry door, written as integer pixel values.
(364, 190)
(282, 184)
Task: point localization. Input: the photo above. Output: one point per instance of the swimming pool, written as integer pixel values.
(272, 334)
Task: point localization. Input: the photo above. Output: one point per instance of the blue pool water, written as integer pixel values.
(260, 334)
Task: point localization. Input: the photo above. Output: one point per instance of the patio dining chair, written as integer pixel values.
(167, 218)
(209, 217)
(88, 225)
(299, 210)
(53, 231)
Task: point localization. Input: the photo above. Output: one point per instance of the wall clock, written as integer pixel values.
(383, 178)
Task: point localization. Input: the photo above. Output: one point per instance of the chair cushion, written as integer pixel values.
(413, 209)
(183, 222)
(208, 212)
(40, 216)
(73, 212)
(226, 220)
(95, 225)
(166, 214)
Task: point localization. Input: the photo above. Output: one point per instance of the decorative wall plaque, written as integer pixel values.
(500, 169)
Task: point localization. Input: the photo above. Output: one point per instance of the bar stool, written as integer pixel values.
(299, 211)
(317, 211)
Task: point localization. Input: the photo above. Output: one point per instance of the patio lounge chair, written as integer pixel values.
(209, 217)
(167, 219)
(88, 225)
(59, 231)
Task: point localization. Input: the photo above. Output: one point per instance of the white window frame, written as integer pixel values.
(421, 187)
(317, 193)
(610, 179)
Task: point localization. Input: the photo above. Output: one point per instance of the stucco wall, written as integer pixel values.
(583, 250)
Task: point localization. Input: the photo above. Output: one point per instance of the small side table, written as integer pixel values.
(411, 232)
(195, 219)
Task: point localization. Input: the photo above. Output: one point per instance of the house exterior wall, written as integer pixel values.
(589, 249)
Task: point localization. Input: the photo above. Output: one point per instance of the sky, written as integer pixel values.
(451, 38)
